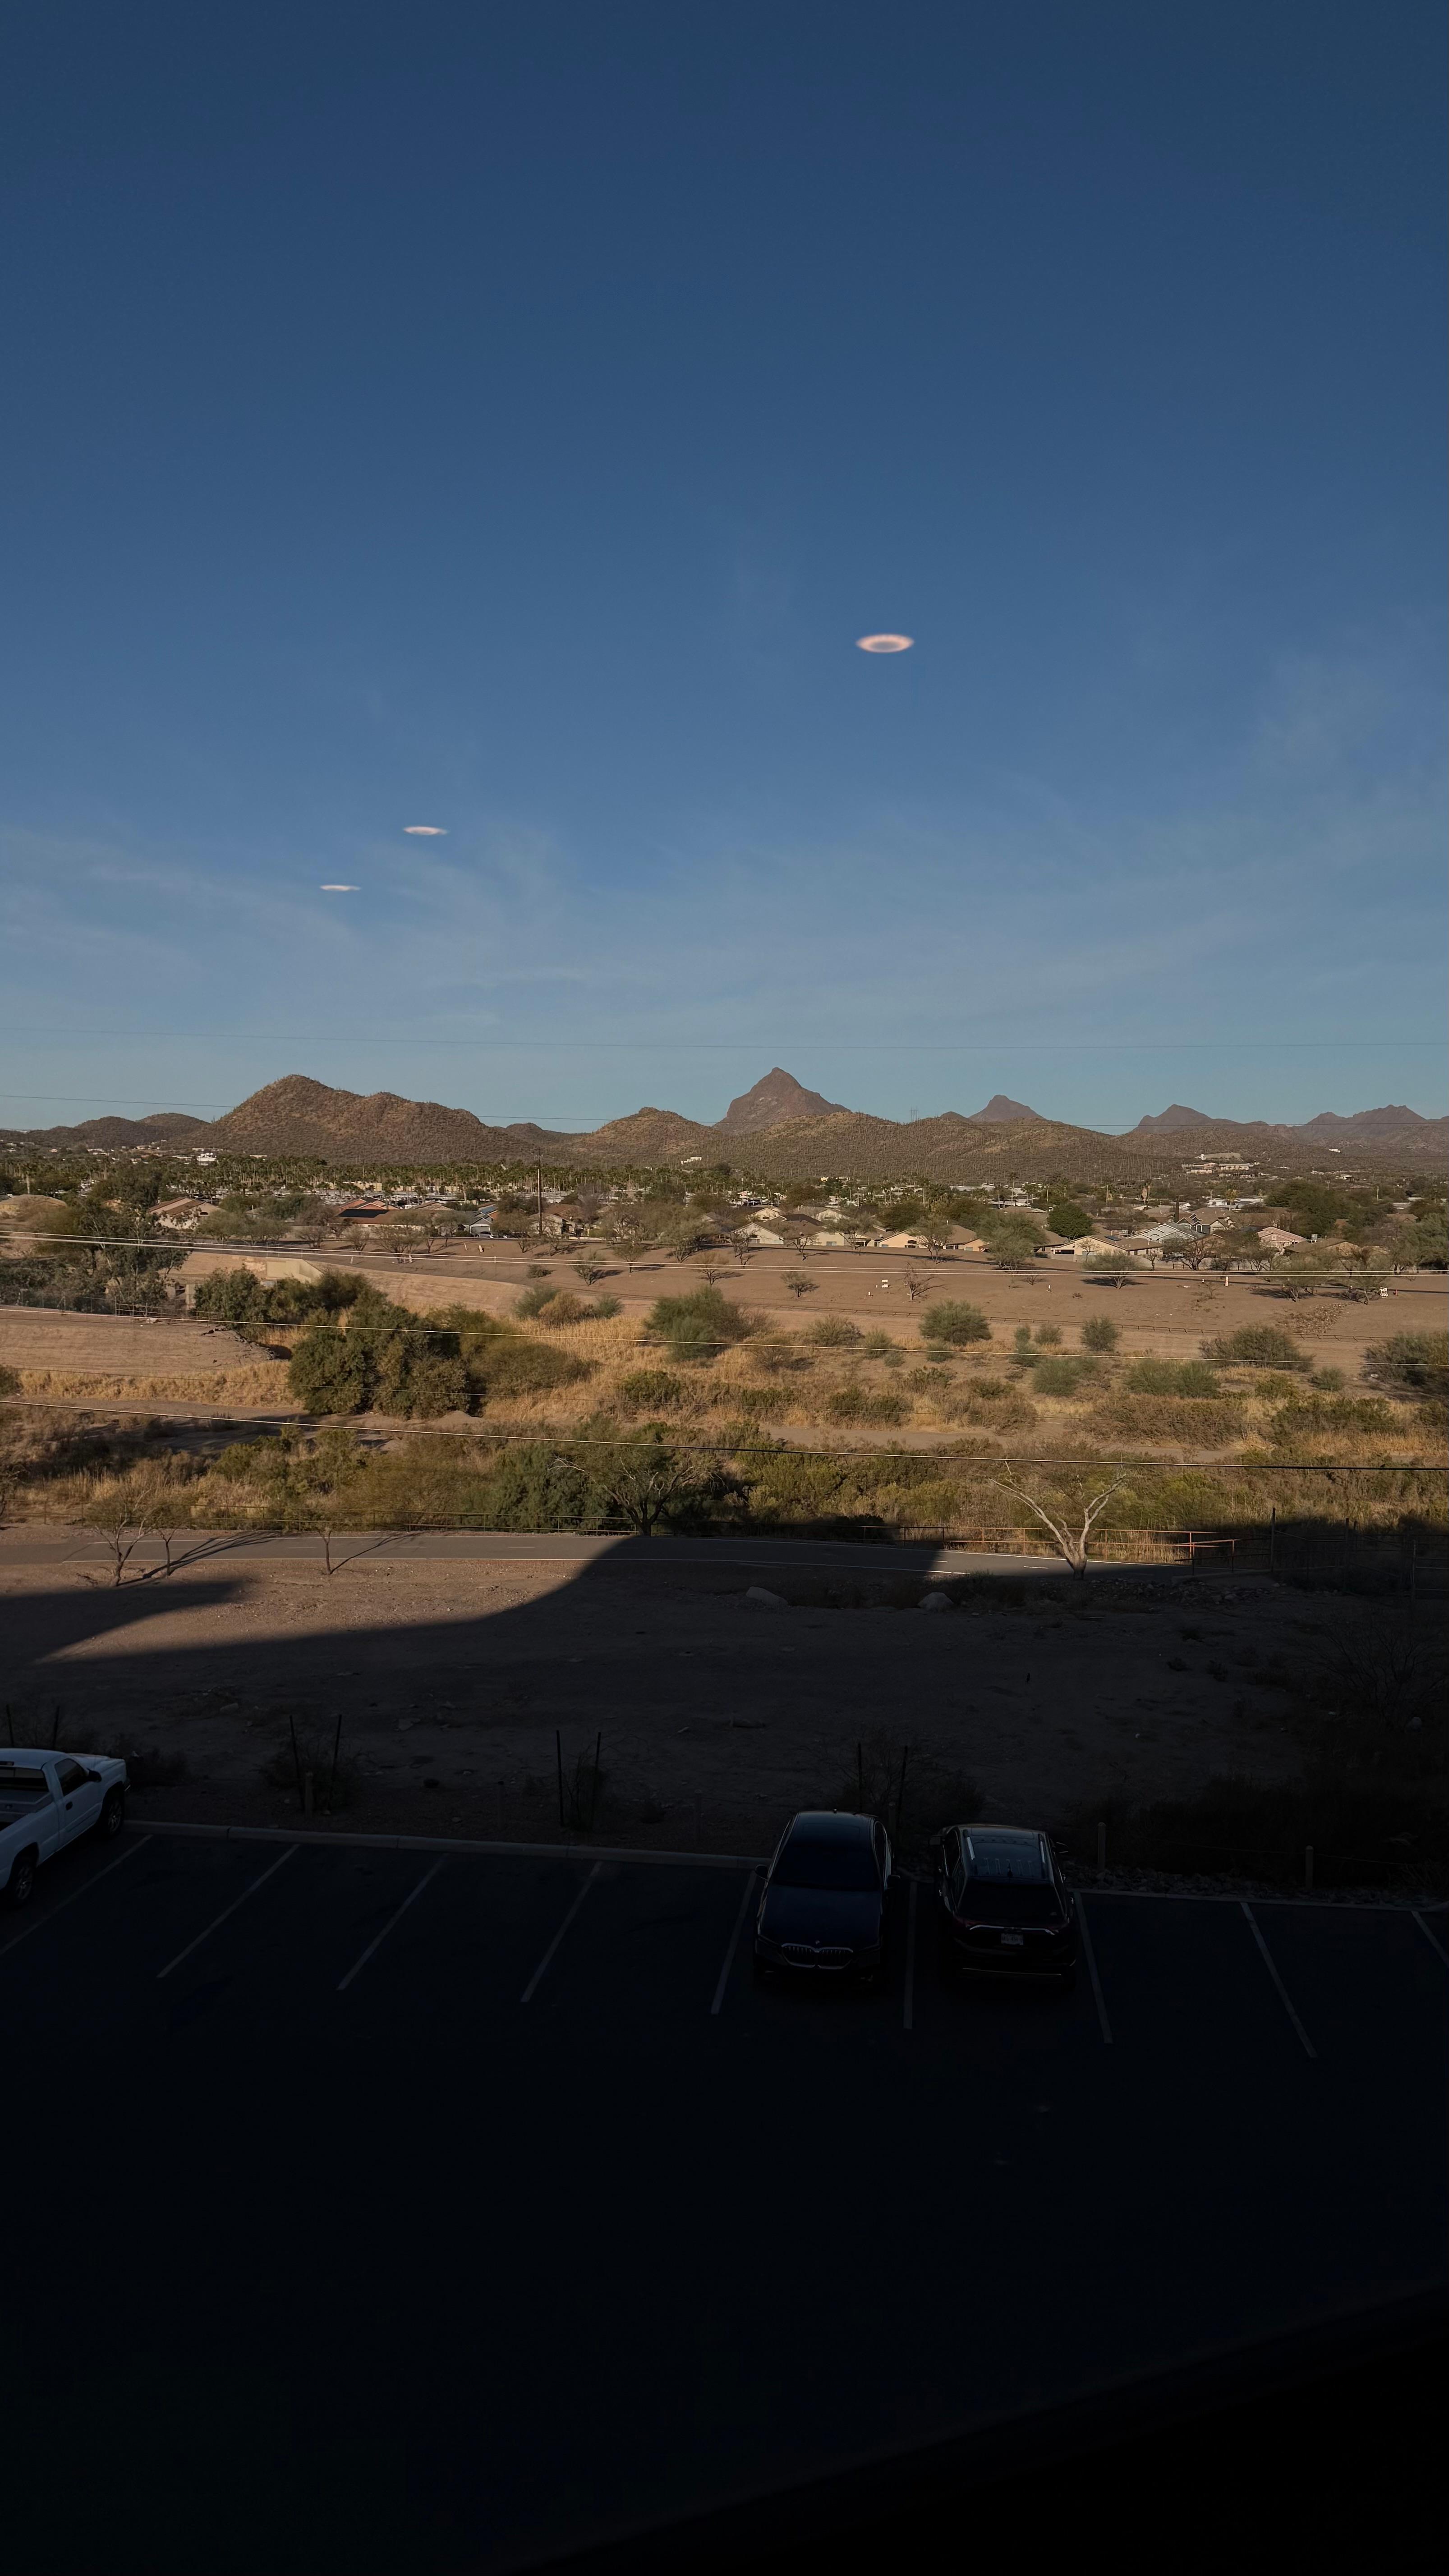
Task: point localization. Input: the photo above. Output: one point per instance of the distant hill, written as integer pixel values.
(114, 1135)
(999, 1111)
(1167, 1121)
(298, 1116)
(769, 1102)
(1004, 1141)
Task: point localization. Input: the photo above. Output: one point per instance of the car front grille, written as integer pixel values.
(807, 1954)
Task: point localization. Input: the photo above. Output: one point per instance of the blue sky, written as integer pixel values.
(507, 420)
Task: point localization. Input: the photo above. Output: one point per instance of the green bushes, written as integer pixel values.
(533, 1301)
(1172, 1377)
(833, 1333)
(393, 1361)
(855, 1404)
(1099, 1333)
(1416, 1362)
(651, 1391)
(954, 1323)
(1169, 1417)
(1355, 1417)
(879, 1346)
(697, 1327)
(1053, 1376)
(1256, 1346)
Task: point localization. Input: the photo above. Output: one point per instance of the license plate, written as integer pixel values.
(1013, 1940)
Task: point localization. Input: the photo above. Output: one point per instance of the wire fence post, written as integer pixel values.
(1102, 1845)
(1308, 1866)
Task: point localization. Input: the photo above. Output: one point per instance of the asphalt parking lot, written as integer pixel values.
(446, 2210)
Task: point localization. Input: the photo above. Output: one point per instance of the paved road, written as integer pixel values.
(409, 2210)
(28, 1545)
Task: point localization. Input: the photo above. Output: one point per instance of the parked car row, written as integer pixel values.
(1003, 1907)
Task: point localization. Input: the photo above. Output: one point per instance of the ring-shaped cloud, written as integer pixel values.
(884, 643)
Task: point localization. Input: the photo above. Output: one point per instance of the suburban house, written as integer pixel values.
(1276, 1238)
(179, 1215)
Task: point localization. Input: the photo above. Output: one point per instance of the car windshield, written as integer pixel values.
(16, 1783)
(810, 1862)
(1007, 1860)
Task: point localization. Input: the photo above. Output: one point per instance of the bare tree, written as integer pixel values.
(744, 1252)
(1070, 1521)
(800, 1283)
(917, 1285)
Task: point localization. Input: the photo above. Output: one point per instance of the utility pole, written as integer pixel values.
(540, 1201)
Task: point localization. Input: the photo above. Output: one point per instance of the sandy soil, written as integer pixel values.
(452, 1679)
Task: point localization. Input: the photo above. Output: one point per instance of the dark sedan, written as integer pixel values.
(1003, 1907)
(826, 1895)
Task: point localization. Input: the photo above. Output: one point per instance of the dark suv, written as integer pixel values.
(826, 1896)
(1003, 1907)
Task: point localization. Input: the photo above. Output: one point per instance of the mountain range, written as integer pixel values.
(792, 1134)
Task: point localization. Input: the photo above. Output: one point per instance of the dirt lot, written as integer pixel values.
(452, 1678)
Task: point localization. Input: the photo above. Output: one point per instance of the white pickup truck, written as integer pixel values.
(48, 1800)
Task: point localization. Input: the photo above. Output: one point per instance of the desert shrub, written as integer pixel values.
(603, 1308)
(1169, 1417)
(245, 1458)
(697, 1327)
(1054, 1376)
(1099, 1333)
(1327, 1381)
(1417, 1362)
(833, 1333)
(877, 1346)
(1172, 1377)
(1007, 1412)
(954, 1323)
(565, 1308)
(928, 1381)
(533, 1488)
(855, 1404)
(533, 1300)
(1049, 1337)
(1347, 1416)
(651, 1391)
(760, 1403)
(1361, 1836)
(510, 1365)
(773, 1356)
(1256, 1346)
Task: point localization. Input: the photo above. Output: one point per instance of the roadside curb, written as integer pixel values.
(444, 1843)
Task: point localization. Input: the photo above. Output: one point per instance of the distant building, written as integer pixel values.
(1278, 1239)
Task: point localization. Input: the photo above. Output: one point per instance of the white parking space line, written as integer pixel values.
(1429, 1937)
(908, 2011)
(227, 1910)
(75, 1896)
(729, 1956)
(1091, 1958)
(1283, 1995)
(540, 1971)
(390, 1925)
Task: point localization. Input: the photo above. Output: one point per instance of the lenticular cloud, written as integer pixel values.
(427, 831)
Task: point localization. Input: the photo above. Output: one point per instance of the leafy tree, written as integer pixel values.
(647, 1483)
(800, 1283)
(631, 1231)
(1110, 1269)
(232, 1297)
(329, 1372)
(955, 1323)
(1068, 1220)
(1010, 1239)
(1068, 1504)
